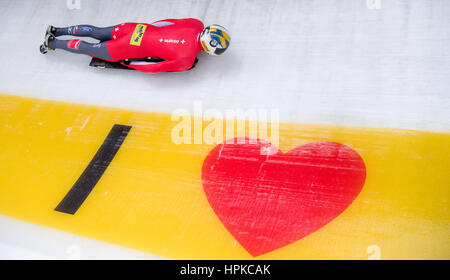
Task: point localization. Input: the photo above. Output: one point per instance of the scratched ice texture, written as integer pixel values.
(322, 61)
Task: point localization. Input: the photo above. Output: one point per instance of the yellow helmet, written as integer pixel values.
(215, 39)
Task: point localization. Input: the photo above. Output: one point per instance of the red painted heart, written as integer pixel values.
(269, 201)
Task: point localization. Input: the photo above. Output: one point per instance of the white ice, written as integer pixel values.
(323, 61)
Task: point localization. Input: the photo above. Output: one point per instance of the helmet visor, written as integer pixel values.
(219, 51)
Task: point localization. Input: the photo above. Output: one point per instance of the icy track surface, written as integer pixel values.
(324, 61)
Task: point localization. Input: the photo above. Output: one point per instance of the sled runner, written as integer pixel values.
(100, 63)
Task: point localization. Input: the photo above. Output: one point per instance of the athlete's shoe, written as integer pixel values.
(44, 48)
(51, 30)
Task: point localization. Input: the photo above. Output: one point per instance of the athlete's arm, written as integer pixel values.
(164, 66)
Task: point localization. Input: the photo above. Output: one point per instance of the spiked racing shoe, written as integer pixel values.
(51, 30)
(44, 48)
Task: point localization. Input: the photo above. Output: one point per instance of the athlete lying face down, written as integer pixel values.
(176, 42)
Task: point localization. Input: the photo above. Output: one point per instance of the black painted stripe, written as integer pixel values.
(94, 171)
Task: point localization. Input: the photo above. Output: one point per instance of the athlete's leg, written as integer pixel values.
(77, 46)
(99, 33)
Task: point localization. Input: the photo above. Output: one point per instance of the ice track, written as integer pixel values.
(321, 62)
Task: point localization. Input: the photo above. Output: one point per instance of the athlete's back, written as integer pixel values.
(174, 40)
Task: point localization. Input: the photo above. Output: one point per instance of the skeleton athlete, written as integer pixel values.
(174, 42)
